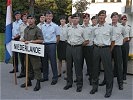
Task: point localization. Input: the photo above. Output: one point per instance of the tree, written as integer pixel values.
(81, 6)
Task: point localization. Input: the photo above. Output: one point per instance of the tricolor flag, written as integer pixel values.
(8, 32)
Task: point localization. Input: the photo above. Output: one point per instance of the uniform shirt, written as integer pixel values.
(22, 28)
(69, 25)
(128, 30)
(63, 34)
(103, 35)
(50, 31)
(32, 33)
(40, 25)
(120, 33)
(15, 29)
(88, 31)
(76, 35)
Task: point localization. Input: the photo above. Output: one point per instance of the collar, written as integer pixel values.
(18, 21)
(50, 24)
(75, 26)
(31, 27)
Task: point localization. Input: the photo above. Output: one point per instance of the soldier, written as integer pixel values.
(69, 21)
(75, 39)
(103, 38)
(94, 21)
(32, 34)
(42, 21)
(121, 37)
(51, 34)
(22, 55)
(16, 36)
(125, 46)
(88, 49)
(61, 46)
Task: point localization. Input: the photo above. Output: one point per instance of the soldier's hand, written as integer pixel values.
(27, 42)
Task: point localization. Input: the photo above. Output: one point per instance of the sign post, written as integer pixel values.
(31, 48)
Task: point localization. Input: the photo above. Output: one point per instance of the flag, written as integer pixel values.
(8, 32)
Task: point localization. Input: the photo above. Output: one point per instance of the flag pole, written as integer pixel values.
(26, 81)
(14, 69)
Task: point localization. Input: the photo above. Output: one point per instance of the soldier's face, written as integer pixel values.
(86, 20)
(115, 19)
(31, 21)
(70, 19)
(94, 21)
(24, 18)
(17, 16)
(62, 21)
(124, 20)
(75, 20)
(42, 18)
(101, 17)
(49, 18)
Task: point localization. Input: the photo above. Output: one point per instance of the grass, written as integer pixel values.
(2, 48)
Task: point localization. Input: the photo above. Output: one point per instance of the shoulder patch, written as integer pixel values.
(129, 25)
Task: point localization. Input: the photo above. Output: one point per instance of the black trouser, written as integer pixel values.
(125, 52)
(104, 54)
(74, 54)
(22, 60)
(88, 56)
(15, 60)
(117, 54)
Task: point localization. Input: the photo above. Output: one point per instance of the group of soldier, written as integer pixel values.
(96, 43)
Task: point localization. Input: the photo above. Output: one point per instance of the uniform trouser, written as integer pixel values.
(34, 66)
(22, 60)
(74, 54)
(125, 52)
(117, 54)
(88, 56)
(50, 53)
(15, 60)
(105, 55)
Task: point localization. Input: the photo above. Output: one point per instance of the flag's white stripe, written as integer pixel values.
(8, 15)
(8, 46)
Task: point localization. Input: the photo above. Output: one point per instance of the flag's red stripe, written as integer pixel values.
(8, 2)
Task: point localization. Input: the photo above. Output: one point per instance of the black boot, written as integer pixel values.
(38, 86)
(24, 85)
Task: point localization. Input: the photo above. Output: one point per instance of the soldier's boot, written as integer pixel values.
(38, 86)
(28, 84)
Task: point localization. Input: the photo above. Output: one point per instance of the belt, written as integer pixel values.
(74, 45)
(102, 46)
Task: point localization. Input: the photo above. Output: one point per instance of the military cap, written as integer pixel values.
(75, 15)
(94, 17)
(17, 12)
(85, 15)
(101, 12)
(63, 17)
(30, 15)
(123, 17)
(113, 14)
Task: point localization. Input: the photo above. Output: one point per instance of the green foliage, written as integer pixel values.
(59, 7)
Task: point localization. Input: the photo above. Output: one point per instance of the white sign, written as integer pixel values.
(31, 48)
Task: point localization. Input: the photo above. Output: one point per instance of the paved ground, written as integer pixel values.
(11, 91)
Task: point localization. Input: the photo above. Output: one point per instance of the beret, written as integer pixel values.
(101, 12)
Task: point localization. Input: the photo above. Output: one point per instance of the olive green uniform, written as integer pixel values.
(33, 33)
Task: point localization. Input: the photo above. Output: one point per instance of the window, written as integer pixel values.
(105, 0)
(129, 3)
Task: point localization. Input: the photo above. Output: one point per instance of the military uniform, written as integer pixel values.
(88, 50)
(22, 55)
(125, 51)
(33, 33)
(103, 35)
(120, 34)
(75, 38)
